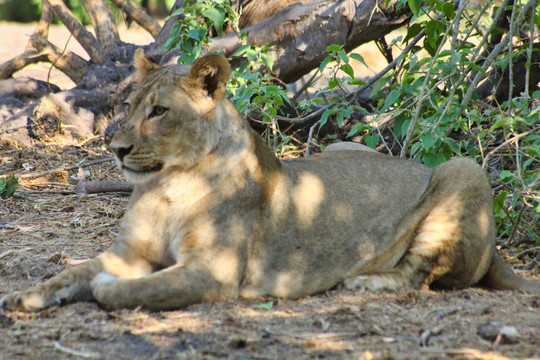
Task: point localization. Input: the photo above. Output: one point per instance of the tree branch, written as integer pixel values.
(103, 21)
(295, 32)
(165, 32)
(10, 67)
(139, 16)
(69, 63)
(83, 36)
(42, 28)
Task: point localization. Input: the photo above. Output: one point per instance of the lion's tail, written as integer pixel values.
(501, 277)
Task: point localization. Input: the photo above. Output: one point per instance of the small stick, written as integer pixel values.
(61, 347)
(64, 168)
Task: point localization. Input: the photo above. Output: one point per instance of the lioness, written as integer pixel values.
(215, 215)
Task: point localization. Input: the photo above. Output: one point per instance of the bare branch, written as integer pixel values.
(103, 22)
(42, 28)
(139, 16)
(69, 63)
(83, 36)
(10, 67)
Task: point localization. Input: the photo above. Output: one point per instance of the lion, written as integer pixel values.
(215, 215)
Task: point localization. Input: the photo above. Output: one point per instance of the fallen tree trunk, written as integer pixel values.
(300, 33)
(103, 81)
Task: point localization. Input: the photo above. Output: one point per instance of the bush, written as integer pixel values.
(20, 10)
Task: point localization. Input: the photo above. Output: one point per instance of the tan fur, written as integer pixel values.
(215, 215)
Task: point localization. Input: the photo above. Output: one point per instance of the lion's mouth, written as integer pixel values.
(144, 170)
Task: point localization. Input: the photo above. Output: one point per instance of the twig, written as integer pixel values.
(529, 55)
(506, 142)
(421, 97)
(353, 95)
(515, 225)
(310, 136)
(526, 251)
(53, 64)
(85, 354)
(64, 168)
(532, 264)
(139, 16)
(526, 9)
(426, 334)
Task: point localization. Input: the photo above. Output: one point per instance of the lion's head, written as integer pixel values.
(170, 121)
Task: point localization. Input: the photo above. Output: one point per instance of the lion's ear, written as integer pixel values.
(209, 76)
(143, 64)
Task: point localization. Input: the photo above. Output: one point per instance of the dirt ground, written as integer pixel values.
(46, 227)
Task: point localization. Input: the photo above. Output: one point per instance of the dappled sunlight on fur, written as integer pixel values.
(307, 197)
(215, 215)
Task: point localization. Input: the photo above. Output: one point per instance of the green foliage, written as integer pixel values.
(252, 87)
(199, 17)
(265, 306)
(20, 10)
(8, 185)
(435, 115)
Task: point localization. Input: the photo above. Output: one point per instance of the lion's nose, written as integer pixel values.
(121, 152)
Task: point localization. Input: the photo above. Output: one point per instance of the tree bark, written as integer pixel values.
(139, 16)
(90, 44)
(103, 22)
(301, 32)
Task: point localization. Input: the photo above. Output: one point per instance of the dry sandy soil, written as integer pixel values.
(46, 227)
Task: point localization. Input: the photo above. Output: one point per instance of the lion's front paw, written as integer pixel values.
(103, 289)
(27, 301)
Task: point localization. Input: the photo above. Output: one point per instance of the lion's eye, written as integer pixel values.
(158, 110)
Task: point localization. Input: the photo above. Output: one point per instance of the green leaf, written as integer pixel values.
(194, 34)
(333, 48)
(427, 140)
(358, 57)
(401, 124)
(412, 31)
(415, 6)
(477, 68)
(372, 141)
(241, 50)
(392, 97)
(268, 60)
(347, 69)
(448, 9)
(506, 176)
(325, 63)
(379, 84)
(498, 201)
(266, 306)
(214, 14)
(8, 185)
(178, 11)
(434, 160)
(324, 117)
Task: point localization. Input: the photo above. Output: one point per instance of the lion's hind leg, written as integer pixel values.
(453, 242)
